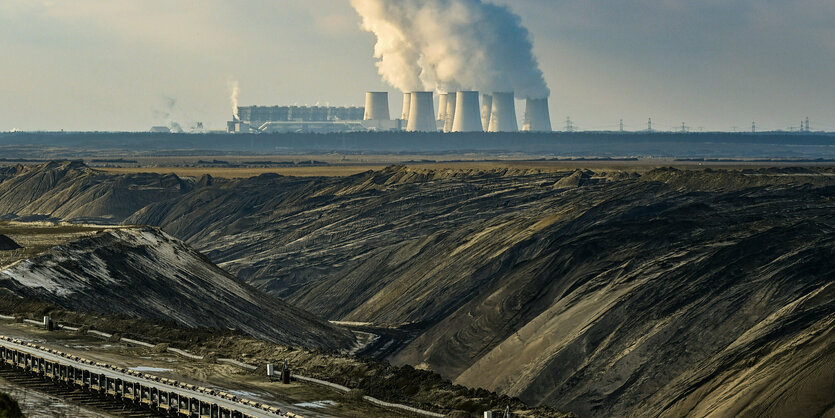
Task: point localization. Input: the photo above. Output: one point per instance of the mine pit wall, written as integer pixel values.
(168, 397)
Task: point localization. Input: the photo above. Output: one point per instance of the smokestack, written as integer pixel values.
(422, 112)
(442, 101)
(503, 114)
(407, 105)
(467, 118)
(537, 116)
(450, 112)
(376, 106)
(486, 110)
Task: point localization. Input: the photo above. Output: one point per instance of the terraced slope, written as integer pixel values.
(145, 273)
(599, 293)
(662, 292)
(71, 191)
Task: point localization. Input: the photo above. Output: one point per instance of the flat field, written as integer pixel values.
(338, 165)
(37, 237)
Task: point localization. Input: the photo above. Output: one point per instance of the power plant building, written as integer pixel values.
(457, 112)
(319, 119)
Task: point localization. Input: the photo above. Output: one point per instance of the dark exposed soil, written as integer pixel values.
(8, 244)
(606, 293)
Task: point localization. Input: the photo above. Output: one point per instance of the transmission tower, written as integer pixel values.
(569, 126)
(621, 125)
(649, 125)
(807, 125)
(754, 127)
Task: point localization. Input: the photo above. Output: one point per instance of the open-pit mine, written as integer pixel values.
(418, 290)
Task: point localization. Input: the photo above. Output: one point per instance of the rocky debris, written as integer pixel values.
(8, 244)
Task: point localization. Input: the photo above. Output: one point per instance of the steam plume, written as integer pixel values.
(452, 45)
(234, 89)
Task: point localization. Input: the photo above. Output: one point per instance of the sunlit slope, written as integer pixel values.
(145, 273)
(71, 191)
(600, 293)
(606, 293)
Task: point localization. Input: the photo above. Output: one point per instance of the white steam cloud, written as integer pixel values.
(234, 89)
(452, 45)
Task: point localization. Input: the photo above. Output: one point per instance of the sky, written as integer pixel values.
(94, 65)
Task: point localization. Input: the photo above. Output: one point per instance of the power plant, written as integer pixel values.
(467, 112)
(486, 110)
(460, 111)
(442, 105)
(503, 114)
(450, 112)
(422, 112)
(376, 106)
(537, 116)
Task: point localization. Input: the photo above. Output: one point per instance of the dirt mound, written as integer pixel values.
(8, 244)
(145, 273)
(576, 179)
(71, 191)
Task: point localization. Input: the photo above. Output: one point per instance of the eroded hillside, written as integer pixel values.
(71, 191)
(145, 273)
(660, 292)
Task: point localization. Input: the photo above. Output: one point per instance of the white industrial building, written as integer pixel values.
(457, 112)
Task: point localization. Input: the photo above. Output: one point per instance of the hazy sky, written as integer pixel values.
(131, 64)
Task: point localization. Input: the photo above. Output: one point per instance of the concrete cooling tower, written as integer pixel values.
(486, 110)
(376, 106)
(422, 112)
(450, 112)
(537, 116)
(442, 100)
(407, 105)
(503, 113)
(467, 112)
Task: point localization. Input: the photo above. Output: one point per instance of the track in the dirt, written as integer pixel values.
(93, 401)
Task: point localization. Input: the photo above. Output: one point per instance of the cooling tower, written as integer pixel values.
(407, 105)
(442, 100)
(450, 112)
(486, 109)
(376, 106)
(537, 116)
(422, 112)
(467, 117)
(503, 114)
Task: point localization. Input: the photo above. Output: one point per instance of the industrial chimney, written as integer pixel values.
(537, 116)
(486, 110)
(407, 105)
(376, 106)
(422, 112)
(450, 112)
(503, 114)
(467, 118)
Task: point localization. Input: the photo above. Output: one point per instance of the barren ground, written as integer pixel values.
(225, 377)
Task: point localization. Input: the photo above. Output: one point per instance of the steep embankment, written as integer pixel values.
(145, 273)
(71, 191)
(604, 293)
(599, 293)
